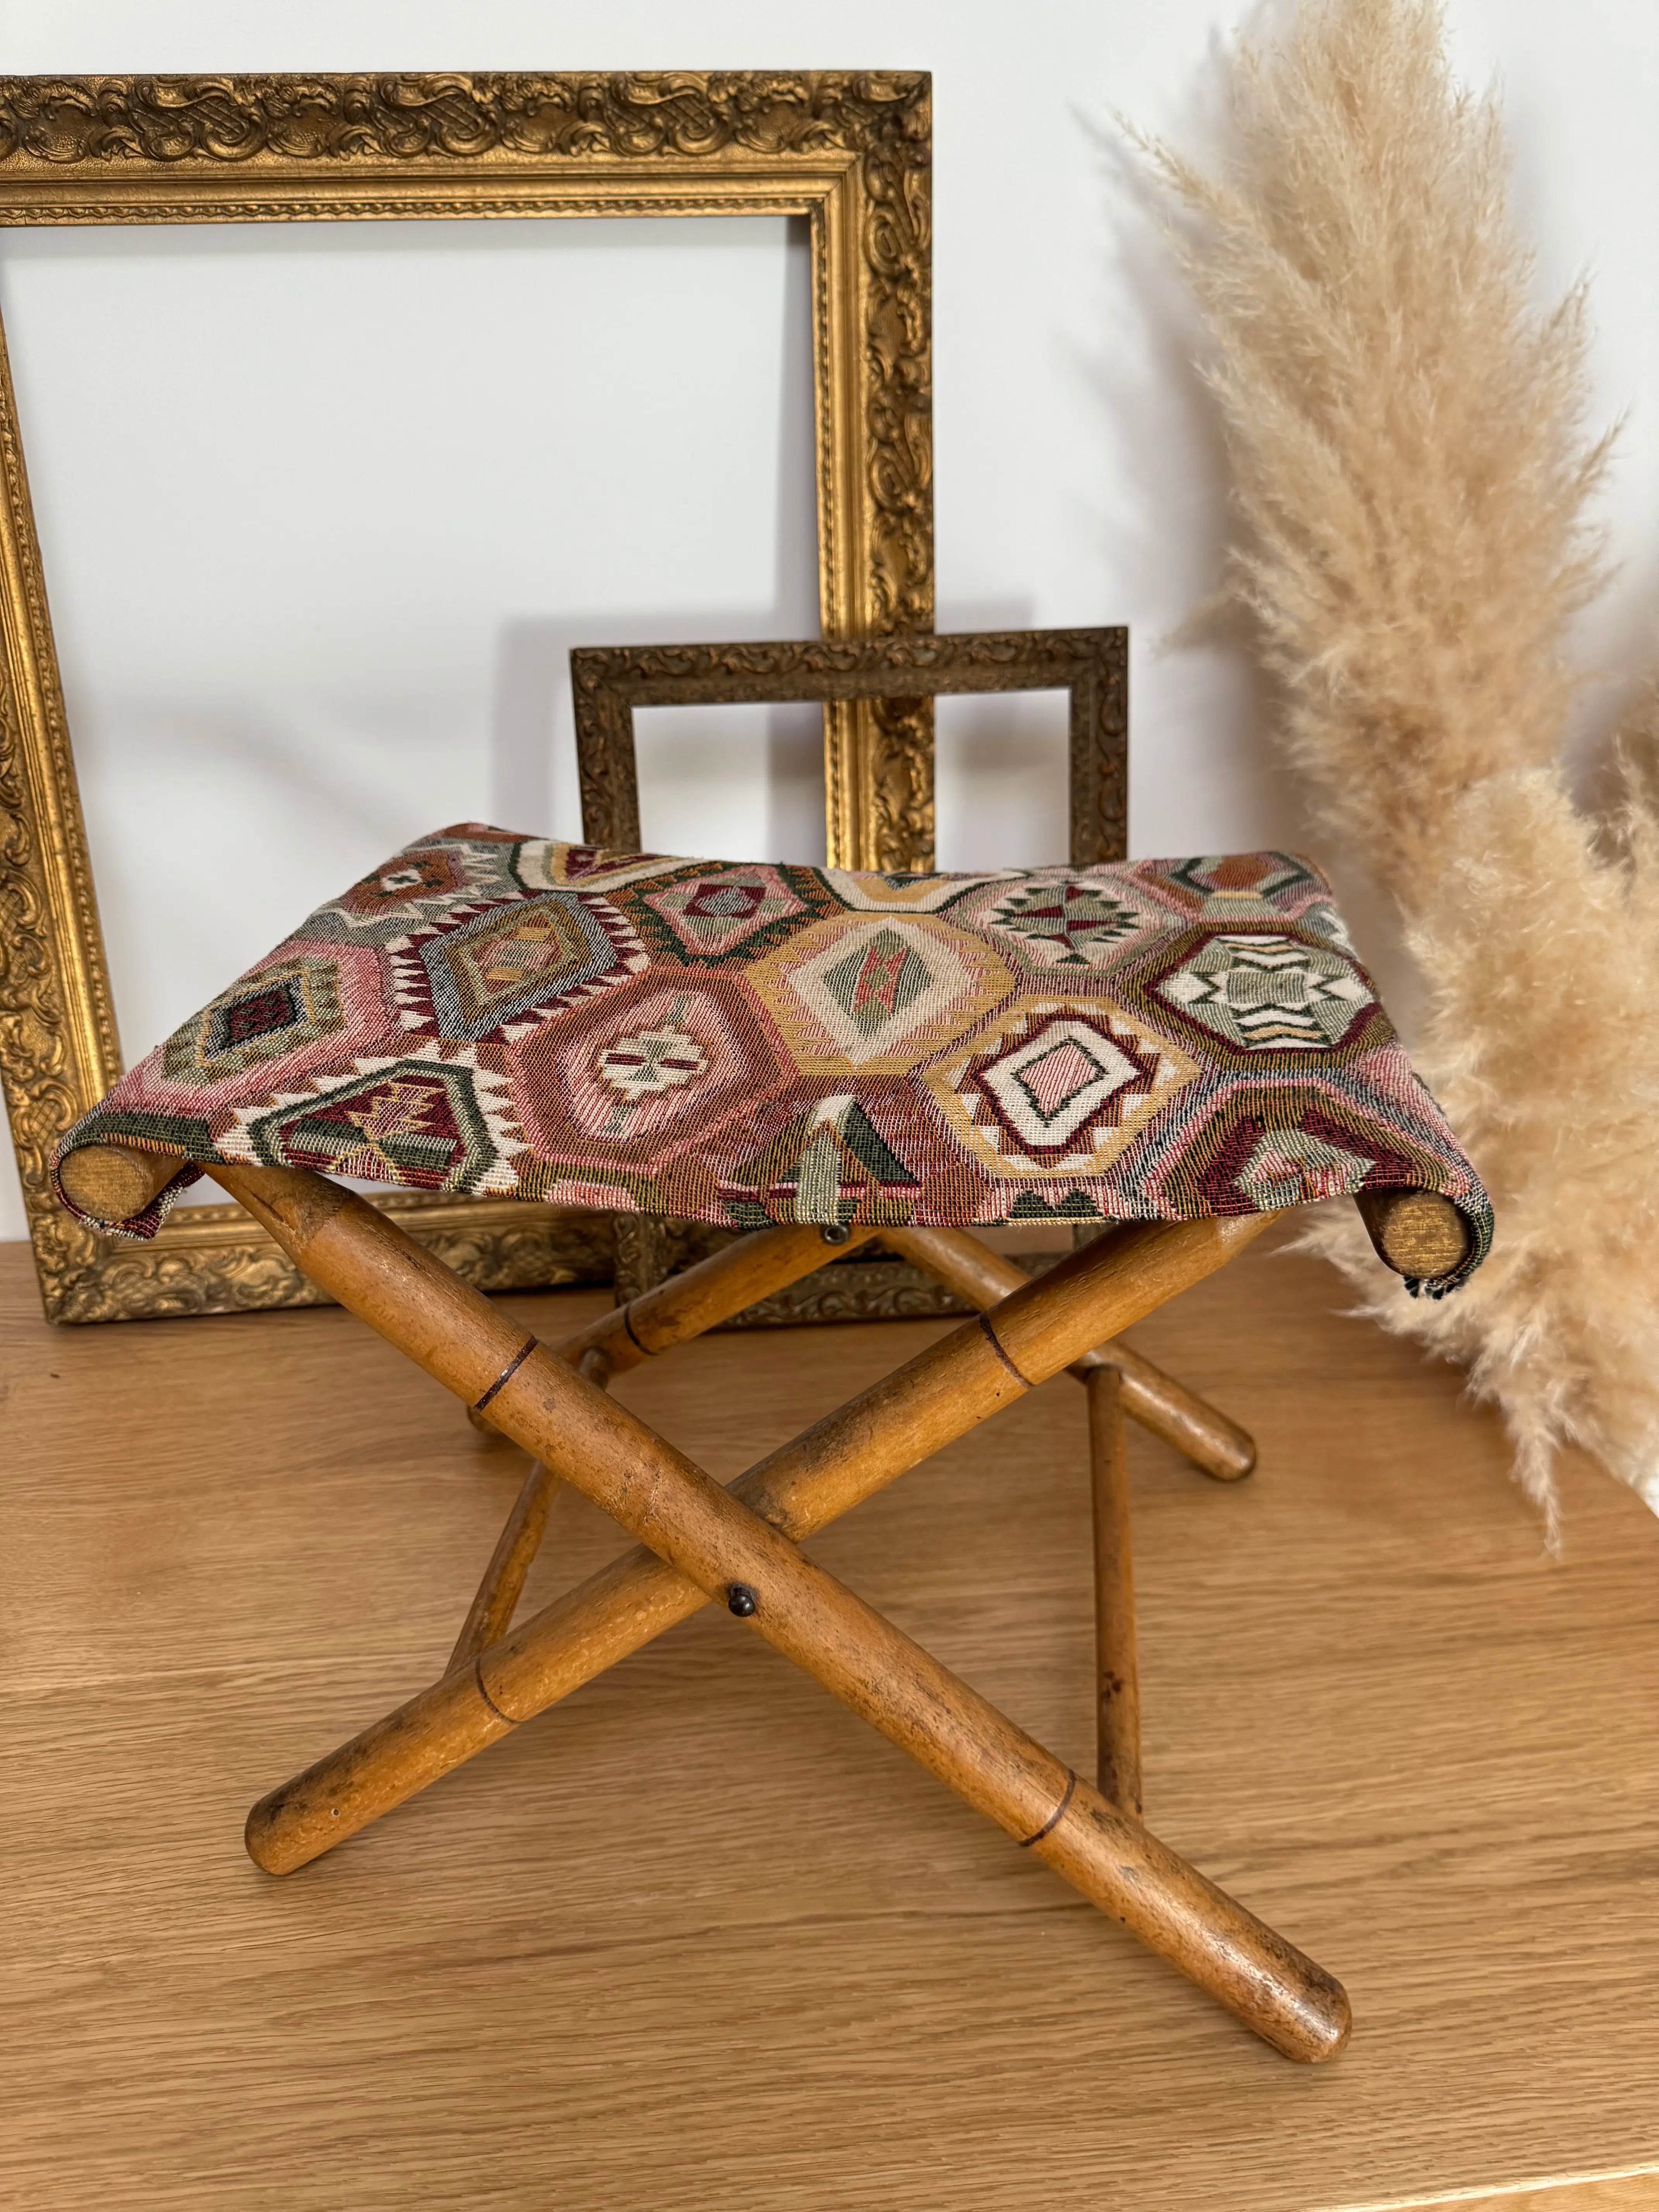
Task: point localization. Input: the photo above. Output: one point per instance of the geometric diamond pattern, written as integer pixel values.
(744, 1043)
(1269, 993)
(1220, 883)
(1068, 921)
(276, 1011)
(420, 888)
(884, 991)
(1292, 1167)
(541, 864)
(537, 954)
(905, 894)
(1058, 1087)
(630, 1078)
(712, 915)
(428, 1123)
(644, 1063)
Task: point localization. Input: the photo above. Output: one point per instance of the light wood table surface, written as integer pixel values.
(698, 1938)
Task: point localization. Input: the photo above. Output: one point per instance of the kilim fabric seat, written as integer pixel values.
(1173, 1050)
(747, 1044)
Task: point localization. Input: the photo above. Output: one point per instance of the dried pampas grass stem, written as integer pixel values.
(1413, 478)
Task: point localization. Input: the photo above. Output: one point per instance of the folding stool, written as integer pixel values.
(1174, 1051)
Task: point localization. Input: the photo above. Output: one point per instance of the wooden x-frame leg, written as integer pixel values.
(739, 1546)
(715, 1289)
(592, 1626)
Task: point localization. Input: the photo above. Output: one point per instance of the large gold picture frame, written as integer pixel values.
(849, 152)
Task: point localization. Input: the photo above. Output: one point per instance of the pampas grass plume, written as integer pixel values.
(1412, 480)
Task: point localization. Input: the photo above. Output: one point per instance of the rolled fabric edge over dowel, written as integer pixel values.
(1417, 1233)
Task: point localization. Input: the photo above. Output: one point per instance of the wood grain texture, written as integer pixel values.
(1117, 1671)
(1612, 2192)
(113, 1183)
(705, 1294)
(697, 1937)
(979, 1275)
(874, 1436)
(1416, 1232)
(490, 1613)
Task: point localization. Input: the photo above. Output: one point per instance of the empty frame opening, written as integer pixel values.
(733, 783)
(323, 507)
(1001, 780)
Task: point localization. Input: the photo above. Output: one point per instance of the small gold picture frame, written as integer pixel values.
(848, 151)
(608, 683)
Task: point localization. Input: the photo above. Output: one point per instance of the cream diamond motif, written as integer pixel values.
(877, 983)
(1057, 1087)
(1269, 993)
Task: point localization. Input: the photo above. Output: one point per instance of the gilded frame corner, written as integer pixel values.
(848, 151)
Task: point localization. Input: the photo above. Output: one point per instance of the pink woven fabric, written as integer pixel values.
(747, 1043)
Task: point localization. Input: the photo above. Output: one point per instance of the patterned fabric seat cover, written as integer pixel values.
(1157, 1040)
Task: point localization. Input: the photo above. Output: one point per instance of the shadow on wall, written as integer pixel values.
(1168, 526)
(746, 778)
(743, 782)
(752, 776)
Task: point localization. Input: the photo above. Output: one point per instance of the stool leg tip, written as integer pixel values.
(257, 1844)
(1324, 2024)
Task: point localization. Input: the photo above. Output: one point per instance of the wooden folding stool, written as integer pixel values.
(560, 983)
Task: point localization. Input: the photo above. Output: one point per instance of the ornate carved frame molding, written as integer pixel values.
(607, 682)
(1091, 666)
(849, 152)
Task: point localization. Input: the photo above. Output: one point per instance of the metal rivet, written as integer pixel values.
(835, 1232)
(741, 1600)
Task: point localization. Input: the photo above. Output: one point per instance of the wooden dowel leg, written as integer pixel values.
(966, 1265)
(491, 1613)
(945, 1390)
(1416, 1232)
(113, 1183)
(699, 1297)
(672, 1312)
(1117, 1682)
(717, 1543)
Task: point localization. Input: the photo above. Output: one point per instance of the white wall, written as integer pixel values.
(400, 476)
